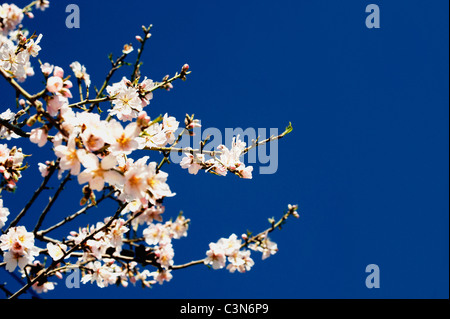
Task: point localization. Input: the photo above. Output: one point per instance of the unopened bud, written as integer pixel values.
(39, 107)
(143, 119)
(185, 68)
(139, 38)
(32, 120)
(168, 86)
(83, 201)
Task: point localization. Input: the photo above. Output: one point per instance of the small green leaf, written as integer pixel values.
(288, 130)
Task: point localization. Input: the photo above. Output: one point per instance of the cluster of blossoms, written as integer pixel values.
(15, 46)
(230, 249)
(99, 153)
(15, 53)
(229, 161)
(80, 73)
(18, 248)
(129, 98)
(10, 17)
(11, 165)
(103, 247)
(6, 133)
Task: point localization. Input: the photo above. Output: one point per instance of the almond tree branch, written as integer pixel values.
(41, 233)
(291, 212)
(88, 101)
(270, 139)
(137, 64)
(115, 66)
(33, 99)
(45, 272)
(51, 202)
(14, 128)
(36, 194)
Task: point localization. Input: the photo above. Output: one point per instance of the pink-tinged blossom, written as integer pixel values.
(55, 84)
(42, 4)
(156, 182)
(240, 261)
(144, 91)
(147, 216)
(230, 160)
(93, 131)
(58, 85)
(245, 171)
(122, 140)
(5, 133)
(126, 101)
(18, 247)
(43, 288)
(153, 136)
(230, 245)
(142, 276)
(80, 73)
(170, 125)
(13, 61)
(11, 16)
(93, 139)
(215, 256)
(164, 254)
(179, 227)
(144, 183)
(97, 172)
(28, 71)
(69, 156)
(11, 161)
(33, 46)
(39, 136)
(193, 162)
(59, 72)
(135, 186)
(43, 169)
(115, 234)
(47, 69)
(100, 273)
(267, 247)
(4, 212)
(55, 103)
(162, 275)
(127, 49)
(156, 234)
(56, 251)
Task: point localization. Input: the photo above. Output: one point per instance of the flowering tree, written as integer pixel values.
(103, 151)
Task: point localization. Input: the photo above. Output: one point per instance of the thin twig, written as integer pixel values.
(14, 128)
(50, 203)
(34, 197)
(73, 249)
(252, 239)
(73, 216)
(137, 64)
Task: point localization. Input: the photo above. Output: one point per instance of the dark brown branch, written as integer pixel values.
(34, 197)
(50, 203)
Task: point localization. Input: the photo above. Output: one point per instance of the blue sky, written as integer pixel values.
(367, 161)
